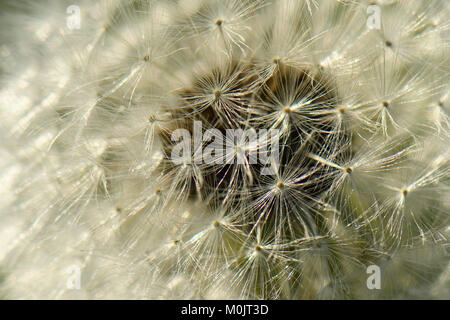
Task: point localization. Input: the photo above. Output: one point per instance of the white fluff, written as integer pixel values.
(86, 182)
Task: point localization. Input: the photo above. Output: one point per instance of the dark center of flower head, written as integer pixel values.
(295, 103)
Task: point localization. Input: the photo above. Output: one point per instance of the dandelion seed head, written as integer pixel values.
(94, 116)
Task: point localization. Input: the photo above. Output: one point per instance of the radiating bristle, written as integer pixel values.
(203, 149)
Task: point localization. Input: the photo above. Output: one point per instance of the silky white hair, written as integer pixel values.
(87, 184)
